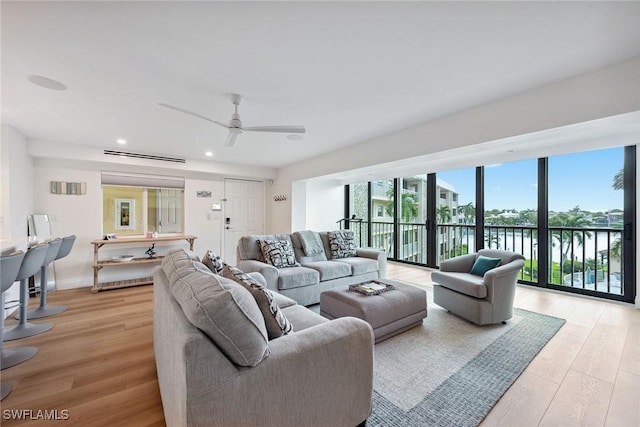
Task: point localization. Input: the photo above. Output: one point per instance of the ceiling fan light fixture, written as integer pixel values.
(294, 137)
(209, 153)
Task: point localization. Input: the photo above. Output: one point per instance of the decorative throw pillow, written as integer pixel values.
(213, 261)
(278, 253)
(342, 243)
(484, 264)
(276, 322)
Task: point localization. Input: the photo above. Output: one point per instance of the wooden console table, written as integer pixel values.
(99, 264)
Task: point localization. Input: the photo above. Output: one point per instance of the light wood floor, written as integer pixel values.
(97, 363)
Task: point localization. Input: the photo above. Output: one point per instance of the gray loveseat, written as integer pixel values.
(316, 273)
(320, 375)
(485, 299)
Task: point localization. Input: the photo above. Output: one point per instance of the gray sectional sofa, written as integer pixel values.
(317, 273)
(226, 372)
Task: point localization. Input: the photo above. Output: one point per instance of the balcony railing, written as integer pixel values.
(585, 258)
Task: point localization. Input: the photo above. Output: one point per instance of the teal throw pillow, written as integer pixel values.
(484, 264)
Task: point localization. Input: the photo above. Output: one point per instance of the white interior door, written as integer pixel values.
(244, 213)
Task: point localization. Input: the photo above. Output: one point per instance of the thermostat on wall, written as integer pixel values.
(216, 207)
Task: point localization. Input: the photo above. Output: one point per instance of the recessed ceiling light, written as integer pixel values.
(121, 141)
(208, 154)
(46, 83)
(294, 137)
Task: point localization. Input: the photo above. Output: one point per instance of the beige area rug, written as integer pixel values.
(450, 372)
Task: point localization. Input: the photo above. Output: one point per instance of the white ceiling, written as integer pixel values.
(347, 71)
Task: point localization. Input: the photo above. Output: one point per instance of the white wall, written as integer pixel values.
(82, 214)
(16, 191)
(17, 184)
(315, 205)
(603, 93)
(71, 214)
(200, 220)
(325, 205)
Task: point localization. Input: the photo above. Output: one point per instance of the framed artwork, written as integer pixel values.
(125, 214)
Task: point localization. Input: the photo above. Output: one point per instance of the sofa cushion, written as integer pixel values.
(297, 277)
(274, 319)
(483, 264)
(278, 253)
(330, 269)
(299, 251)
(303, 318)
(221, 308)
(342, 243)
(201, 267)
(360, 265)
(212, 261)
(283, 301)
(465, 283)
(249, 248)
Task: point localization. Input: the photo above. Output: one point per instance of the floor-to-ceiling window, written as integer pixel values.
(455, 213)
(586, 219)
(412, 219)
(382, 215)
(359, 210)
(510, 211)
(571, 216)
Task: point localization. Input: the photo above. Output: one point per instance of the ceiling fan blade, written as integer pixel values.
(231, 137)
(283, 129)
(191, 113)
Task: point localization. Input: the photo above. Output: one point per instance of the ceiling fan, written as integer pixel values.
(235, 125)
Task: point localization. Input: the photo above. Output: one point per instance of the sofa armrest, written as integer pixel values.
(460, 264)
(269, 272)
(378, 255)
(335, 357)
(502, 277)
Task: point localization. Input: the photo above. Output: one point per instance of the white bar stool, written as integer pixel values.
(43, 310)
(9, 267)
(30, 265)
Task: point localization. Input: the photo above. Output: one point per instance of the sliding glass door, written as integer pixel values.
(571, 216)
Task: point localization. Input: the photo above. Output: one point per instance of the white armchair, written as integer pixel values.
(484, 299)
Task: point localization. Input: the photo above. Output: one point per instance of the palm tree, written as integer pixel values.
(616, 249)
(618, 180)
(567, 238)
(443, 214)
(469, 213)
(408, 202)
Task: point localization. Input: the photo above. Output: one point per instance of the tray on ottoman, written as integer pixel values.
(388, 313)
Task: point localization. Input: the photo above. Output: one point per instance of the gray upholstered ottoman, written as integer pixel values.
(389, 313)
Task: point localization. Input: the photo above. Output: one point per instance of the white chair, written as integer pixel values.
(30, 265)
(9, 267)
(44, 310)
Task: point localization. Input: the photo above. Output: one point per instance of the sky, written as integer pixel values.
(578, 179)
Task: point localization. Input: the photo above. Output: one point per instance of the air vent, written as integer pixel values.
(143, 156)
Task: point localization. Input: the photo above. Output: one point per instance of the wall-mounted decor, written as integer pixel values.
(125, 214)
(63, 187)
(280, 198)
(203, 194)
